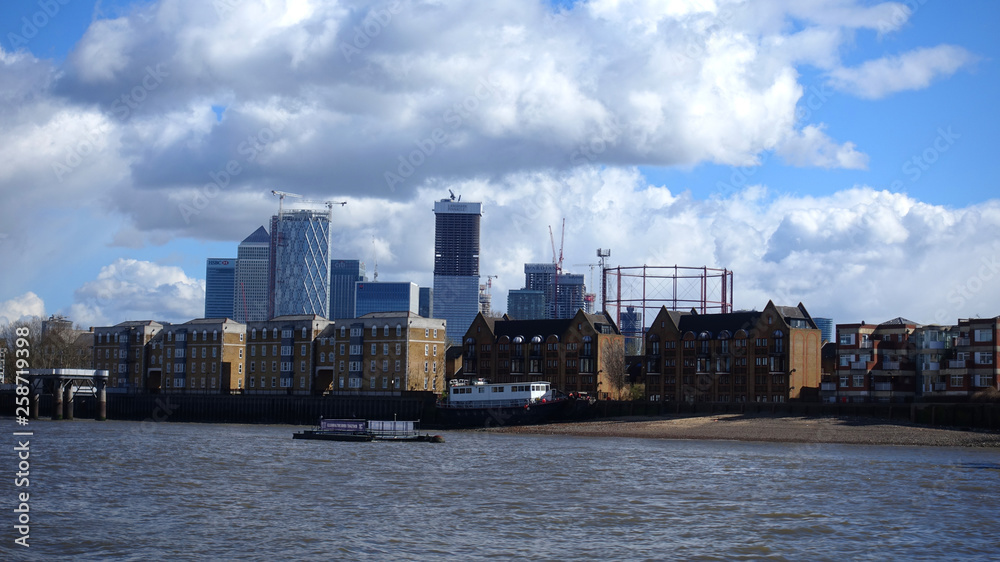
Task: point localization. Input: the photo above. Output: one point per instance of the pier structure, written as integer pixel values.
(64, 385)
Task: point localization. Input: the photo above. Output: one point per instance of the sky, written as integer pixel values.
(837, 153)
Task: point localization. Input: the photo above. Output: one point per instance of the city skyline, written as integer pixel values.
(836, 155)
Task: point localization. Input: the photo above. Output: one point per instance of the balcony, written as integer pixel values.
(863, 365)
(962, 341)
(934, 345)
(828, 386)
(932, 367)
(865, 345)
(883, 386)
(890, 365)
(956, 363)
(940, 386)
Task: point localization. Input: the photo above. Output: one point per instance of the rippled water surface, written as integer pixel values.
(155, 491)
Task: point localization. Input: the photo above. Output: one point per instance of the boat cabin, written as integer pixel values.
(479, 393)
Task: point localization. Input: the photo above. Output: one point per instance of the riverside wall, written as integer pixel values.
(307, 410)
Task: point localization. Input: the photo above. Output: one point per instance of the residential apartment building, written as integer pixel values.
(123, 351)
(280, 354)
(201, 356)
(381, 352)
(901, 361)
(577, 354)
(768, 356)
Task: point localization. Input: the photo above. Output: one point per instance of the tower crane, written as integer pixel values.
(557, 262)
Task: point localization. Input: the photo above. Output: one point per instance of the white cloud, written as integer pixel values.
(812, 147)
(130, 289)
(22, 307)
(913, 70)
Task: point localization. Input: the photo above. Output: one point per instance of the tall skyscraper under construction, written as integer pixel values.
(456, 264)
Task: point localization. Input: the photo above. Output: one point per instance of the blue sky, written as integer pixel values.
(887, 171)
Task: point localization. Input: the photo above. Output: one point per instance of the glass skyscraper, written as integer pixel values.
(219, 279)
(563, 296)
(456, 265)
(300, 244)
(344, 274)
(250, 291)
(387, 297)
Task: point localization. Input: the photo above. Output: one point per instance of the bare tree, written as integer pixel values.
(614, 365)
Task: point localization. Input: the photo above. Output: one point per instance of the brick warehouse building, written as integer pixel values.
(575, 354)
(767, 356)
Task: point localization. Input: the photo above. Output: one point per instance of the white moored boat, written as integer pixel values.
(479, 394)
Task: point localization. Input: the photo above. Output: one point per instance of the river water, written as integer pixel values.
(141, 491)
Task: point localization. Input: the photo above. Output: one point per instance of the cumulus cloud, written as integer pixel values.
(22, 307)
(912, 70)
(130, 289)
(812, 147)
(538, 113)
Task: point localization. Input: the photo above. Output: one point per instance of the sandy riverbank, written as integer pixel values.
(868, 431)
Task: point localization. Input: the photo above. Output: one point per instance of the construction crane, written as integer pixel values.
(282, 194)
(557, 262)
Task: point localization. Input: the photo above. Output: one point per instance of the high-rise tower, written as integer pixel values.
(300, 244)
(344, 274)
(250, 290)
(219, 273)
(456, 264)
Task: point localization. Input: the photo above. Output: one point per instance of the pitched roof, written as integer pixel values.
(899, 321)
(716, 323)
(259, 236)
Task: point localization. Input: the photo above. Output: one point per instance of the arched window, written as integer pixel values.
(399, 330)
(253, 334)
(170, 336)
(385, 330)
(374, 330)
(304, 333)
(215, 335)
(274, 333)
(204, 334)
(343, 331)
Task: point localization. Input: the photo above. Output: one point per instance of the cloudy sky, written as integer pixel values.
(840, 153)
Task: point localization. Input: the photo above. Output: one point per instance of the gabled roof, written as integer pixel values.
(259, 236)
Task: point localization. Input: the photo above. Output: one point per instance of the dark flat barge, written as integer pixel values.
(367, 430)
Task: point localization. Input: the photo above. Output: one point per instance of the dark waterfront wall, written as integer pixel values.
(306, 410)
(299, 410)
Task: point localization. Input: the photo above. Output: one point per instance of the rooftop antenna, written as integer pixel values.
(375, 260)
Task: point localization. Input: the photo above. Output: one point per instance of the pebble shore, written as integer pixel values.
(862, 431)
